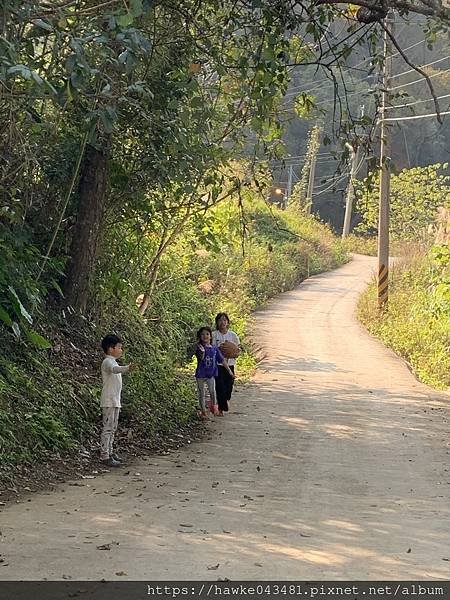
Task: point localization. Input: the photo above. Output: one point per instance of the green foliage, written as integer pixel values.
(49, 398)
(368, 245)
(20, 292)
(417, 322)
(360, 244)
(416, 194)
(300, 190)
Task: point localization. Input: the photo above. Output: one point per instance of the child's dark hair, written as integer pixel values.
(219, 316)
(110, 341)
(201, 330)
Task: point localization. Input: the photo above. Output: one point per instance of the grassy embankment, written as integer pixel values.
(416, 324)
(49, 398)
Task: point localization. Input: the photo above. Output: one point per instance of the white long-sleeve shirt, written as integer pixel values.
(219, 338)
(112, 382)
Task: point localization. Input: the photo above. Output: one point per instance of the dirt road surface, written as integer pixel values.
(334, 463)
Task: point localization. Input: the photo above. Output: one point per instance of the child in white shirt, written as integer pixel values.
(110, 398)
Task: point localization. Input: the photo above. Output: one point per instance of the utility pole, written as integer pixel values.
(354, 154)
(289, 183)
(350, 196)
(312, 173)
(385, 173)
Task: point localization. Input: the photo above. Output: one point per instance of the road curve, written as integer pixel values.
(334, 464)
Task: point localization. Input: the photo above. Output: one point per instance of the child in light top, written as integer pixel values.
(208, 359)
(224, 383)
(110, 398)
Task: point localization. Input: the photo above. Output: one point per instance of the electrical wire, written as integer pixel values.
(428, 115)
(344, 176)
(422, 80)
(300, 156)
(368, 59)
(417, 102)
(358, 166)
(421, 66)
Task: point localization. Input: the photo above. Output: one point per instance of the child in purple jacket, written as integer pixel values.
(208, 359)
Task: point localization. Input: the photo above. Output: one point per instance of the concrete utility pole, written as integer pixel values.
(385, 173)
(350, 196)
(312, 173)
(354, 156)
(289, 183)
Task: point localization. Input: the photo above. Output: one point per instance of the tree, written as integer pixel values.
(416, 195)
(132, 111)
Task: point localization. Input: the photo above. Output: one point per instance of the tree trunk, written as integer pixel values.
(152, 275)
(92, 191)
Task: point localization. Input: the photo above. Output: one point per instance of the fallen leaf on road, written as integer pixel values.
(121, 574)
(185, 525)
(213, 567)
(104, 547)
(258, 468)
(258, 565)
(408, 551)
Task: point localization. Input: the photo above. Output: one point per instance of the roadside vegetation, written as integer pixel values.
(416, 324)
(241, 254)
(133, 184)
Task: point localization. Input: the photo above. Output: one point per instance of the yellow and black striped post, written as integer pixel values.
(385, 174)
(383, 286)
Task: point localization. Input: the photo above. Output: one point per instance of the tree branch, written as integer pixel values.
(435, 10)
(416, 68)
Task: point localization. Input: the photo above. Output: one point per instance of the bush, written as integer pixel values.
(416, 324)
(415, 196)
(50, 397)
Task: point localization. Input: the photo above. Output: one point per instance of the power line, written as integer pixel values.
(408, 48)
(422, 66)
(302, 159)
(394, 119)
(335, 182)
(344, 176)
(301, 156)
(417, 102)
(368, 59)
(331, 101)
(397, 87)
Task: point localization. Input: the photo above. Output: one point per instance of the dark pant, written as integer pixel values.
(224, 387)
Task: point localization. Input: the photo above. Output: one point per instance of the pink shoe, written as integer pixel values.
(220, 413)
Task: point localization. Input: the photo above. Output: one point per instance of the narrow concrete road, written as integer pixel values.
(333, 464)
